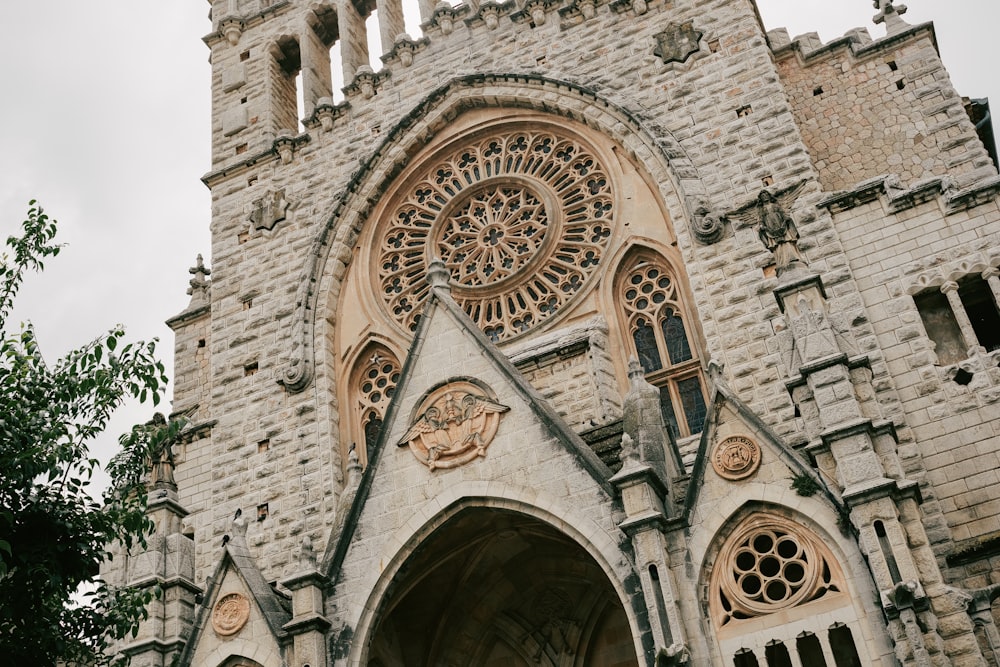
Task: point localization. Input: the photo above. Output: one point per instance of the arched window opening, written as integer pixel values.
(662, 342)
(845, 654)
(373, 384)
(745, 658)
(325, 67)
(886, 547)
(777, 654)
(286, 67)
(809, 649)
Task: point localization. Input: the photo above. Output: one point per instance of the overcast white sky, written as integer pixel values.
(104, 119)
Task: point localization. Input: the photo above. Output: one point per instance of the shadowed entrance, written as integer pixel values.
(495, 588)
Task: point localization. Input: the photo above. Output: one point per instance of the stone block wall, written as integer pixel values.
(868, 109)
(947, 431)
(258, 274)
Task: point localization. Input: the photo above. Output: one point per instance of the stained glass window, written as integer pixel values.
(654, 316)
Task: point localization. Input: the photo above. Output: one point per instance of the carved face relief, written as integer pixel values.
(230, 614)
(454, 425)
(521, 220)
(736, 457)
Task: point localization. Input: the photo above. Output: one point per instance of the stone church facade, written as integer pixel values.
(583, 333)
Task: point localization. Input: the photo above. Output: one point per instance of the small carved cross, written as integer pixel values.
(890, 14)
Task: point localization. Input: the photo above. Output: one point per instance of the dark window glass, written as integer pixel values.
(645, 345)
(842, 644)
(810, 652)
(373, 427)
(982, 311)
(675, 337)
(667, 409)
(777, 655)
(693, 401)
(745, 658)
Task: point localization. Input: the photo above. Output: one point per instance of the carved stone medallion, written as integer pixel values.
(736, 457)
(230, 614)
(454, 425)
(677, 43)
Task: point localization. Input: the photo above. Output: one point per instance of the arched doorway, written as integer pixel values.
(496, 588)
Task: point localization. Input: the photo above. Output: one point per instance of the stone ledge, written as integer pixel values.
(897, 198)
(974, 549)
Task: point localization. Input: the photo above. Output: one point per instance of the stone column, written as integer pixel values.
(353, 39)
(308, 625)
(167, 562)
(950, 290)
(847, 440)
(317, 81)
(642, 490)
(390, 23)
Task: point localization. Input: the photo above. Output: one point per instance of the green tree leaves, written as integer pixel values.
(53, 534)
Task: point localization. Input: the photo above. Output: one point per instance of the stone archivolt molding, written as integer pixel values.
(521, 217)
(455, 424)
(770, 564)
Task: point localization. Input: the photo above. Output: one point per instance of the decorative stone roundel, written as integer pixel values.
(768, 565)
(521, 220)
(230, 614)
(736, 457)
(454, 425)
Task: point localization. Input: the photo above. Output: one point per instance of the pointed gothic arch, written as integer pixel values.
(527, 508)
(494, 586)
(371, 378)
(665, 165)
(650, 299)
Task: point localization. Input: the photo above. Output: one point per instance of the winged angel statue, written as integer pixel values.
(775, 226)
(457, 427)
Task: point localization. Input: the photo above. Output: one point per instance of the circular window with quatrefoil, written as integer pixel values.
(521, 219)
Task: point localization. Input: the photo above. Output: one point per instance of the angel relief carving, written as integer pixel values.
(454, 425)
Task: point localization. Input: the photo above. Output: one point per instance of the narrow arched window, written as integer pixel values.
(373, 384)
(661, 339)
(845, 654)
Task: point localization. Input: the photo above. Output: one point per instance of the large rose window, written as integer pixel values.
(521, 221)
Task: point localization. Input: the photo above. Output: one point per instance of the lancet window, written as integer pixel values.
(662, 341)
(373, 384)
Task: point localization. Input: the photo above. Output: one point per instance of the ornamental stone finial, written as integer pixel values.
(438, 275)
(198, 284)
(890, 13)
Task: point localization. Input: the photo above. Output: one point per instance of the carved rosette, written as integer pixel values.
(521, 220)
(737, 457)
(454, 425)
(230, 614)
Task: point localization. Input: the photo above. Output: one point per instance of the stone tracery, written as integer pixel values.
(769, 565)
(521, 220)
